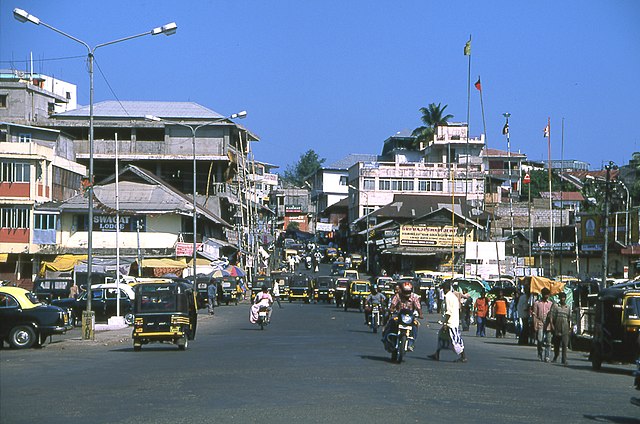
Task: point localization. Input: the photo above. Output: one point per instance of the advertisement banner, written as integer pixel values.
(423, 235)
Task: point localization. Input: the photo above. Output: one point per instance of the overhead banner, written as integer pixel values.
(423, 235)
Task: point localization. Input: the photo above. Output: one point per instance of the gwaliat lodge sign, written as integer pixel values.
(422, 235)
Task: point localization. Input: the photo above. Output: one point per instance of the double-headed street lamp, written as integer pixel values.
(194, 129)
(366, 216)
(168, 29)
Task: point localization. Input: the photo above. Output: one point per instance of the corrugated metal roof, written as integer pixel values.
(139, 109)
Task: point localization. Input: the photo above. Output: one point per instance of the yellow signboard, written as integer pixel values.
(423, 235)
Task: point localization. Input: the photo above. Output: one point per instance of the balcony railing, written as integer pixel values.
(420, 170)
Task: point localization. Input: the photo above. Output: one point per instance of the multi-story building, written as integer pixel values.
(445, 169)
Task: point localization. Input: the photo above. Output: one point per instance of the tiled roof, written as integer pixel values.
(139, 109)
(569, 196)
(351, 159)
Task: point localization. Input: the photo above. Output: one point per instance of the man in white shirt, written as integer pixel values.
(449, 335)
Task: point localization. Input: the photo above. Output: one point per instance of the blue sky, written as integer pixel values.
(340, 77)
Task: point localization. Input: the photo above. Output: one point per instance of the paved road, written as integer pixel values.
(315, 363)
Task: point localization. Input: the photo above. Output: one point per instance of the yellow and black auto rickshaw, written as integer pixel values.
(357, 294)
(228, 290)
(617, 326)
(164, 312)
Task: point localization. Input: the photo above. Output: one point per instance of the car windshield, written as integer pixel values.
(361, 288)
(632, 310)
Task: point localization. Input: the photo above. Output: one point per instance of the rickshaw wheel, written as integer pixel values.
(183, 342)
(596, 360)
(137, 348)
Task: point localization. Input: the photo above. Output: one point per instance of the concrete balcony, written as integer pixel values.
(421, 170)
(177, 148)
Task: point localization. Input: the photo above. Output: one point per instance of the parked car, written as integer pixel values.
(25, 322)
(103, 302)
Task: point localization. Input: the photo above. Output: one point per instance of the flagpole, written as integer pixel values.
(485, 179)
(466, 181)
(561, 193)
(548, 134)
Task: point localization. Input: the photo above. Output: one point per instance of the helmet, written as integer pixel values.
(374, 288)
(406, 287)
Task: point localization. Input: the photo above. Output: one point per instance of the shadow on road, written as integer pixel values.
(611, 419)
(376, 358)
(360, 331)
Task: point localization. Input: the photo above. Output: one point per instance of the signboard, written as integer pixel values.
(186, 249)
(293, 209)
(557, 247)
(324, 226)
(422, 235)
(107, 223)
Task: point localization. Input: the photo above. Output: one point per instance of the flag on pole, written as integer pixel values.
(505, 129)
(467, 48)
(478, 85)
(546, 131)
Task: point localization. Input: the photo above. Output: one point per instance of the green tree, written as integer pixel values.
(432, 116)
(308, 163)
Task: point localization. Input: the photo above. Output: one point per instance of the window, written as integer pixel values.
(423, 185)
(407, 185)
(369, 184)
(384, 185)
(24, 138)
(14, 217)
(3, 100)
(44, 221)
(7, 301)
(12, 172)
(343, 180)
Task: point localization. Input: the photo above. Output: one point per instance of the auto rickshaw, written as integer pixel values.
(387, 286)
(300, 287)
(325, 289)
(357, 293)
(338, 268)
(331, 254)
(164, 312)
(228, 290)
(258, 282)
(201, 286)
(342, 284)
(356, 260)
(617, 326)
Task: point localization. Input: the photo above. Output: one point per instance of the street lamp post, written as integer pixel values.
(194, 129)
(168, 29)
(366, 216)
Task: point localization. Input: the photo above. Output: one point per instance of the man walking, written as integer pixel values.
(276, 293)
(449, 335)
(481, 309)
(539, 314)
(212, 294)
(560, 322)
(500, 312)
(523, 315)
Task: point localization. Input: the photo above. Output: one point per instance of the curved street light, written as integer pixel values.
(194, 128)
(168, 29)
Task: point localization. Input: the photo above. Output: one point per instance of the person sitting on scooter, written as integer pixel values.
(406, 299)
(262, 299)
(375, 298)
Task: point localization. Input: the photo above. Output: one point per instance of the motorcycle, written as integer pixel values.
(263, 317)
(399, 337)
(376, 317)
(307, 262)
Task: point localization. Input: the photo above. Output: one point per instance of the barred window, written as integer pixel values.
(14, 217)
(12, 172)
(24, 138)
(369, 184)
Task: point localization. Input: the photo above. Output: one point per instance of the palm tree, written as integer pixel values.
(432, 116)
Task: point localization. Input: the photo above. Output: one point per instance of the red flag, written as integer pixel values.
(478, 85)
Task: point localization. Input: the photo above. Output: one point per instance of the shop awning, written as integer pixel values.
(62, 263)
(164, 263)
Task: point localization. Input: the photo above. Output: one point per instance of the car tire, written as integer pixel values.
(22, 337)
(137, 347)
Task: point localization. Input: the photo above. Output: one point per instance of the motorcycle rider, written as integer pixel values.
(262, 299)
(406, 299)
(375, 298)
